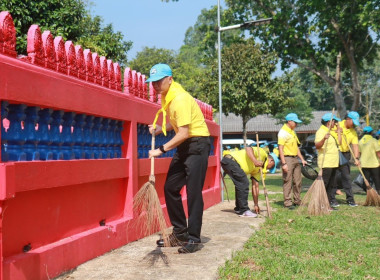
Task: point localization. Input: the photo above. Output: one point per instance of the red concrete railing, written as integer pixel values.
(56, 214)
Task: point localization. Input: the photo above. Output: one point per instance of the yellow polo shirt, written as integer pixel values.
(332, 153)
(368, 146)
(247, 165)
(288, 138)
(351, 136)
(184, 110)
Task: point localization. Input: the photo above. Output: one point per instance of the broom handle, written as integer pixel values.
(152, 158)
(325, 149)
(360, 169)
(262, 179)
(225, 186)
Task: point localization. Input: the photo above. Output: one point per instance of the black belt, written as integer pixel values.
(194, 139)
(291, 156)
(346, 152)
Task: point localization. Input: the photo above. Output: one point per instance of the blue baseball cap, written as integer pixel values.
(367, 129)
(158, 72)
(276, 161)
(328, 116)
(293, 117)
(354, 116)
(378, 132)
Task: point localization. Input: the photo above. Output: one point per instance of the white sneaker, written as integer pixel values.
(248, 214)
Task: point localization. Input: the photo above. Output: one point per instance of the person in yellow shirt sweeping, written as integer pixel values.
(189, 164)
(349, 137)
(369, 149)
(239, 164)
(328, 154)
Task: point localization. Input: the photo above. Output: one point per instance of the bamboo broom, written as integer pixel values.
(316, 200)
(147, 204)
(373, 198)
(262, 180)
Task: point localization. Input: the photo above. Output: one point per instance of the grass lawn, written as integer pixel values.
(342, 245)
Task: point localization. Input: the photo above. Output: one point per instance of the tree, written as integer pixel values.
(248, 89)
(69, 19)
(324, 37)
(148, 57)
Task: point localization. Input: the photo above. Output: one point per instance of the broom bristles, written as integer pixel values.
(150, 215)
(315, 201)
(373, 198)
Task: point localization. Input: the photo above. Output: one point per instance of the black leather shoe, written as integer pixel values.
(174, 240)
(190, 247)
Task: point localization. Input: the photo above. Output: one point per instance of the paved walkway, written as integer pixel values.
(223, 233)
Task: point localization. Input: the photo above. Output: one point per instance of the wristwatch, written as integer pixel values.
(162, 149)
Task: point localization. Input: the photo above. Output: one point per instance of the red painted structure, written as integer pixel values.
(65, 212)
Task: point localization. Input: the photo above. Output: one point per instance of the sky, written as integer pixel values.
(151, 23)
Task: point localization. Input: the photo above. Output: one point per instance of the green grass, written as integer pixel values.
(342, 245)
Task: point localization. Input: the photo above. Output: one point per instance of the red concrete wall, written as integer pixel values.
(58, 214)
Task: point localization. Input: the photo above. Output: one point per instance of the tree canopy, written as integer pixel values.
(69, 19)
(324, 37)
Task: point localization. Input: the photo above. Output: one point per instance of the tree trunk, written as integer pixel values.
(338, 92)
(245, 120)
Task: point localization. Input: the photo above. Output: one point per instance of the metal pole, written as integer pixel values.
(220, 94)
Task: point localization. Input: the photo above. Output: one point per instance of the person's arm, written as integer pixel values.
(255, 194)
(169, 127)
(284, 165)
(378, 155)
(252, 157)
(355, 149)
(319, 144)
(179, 138)
(304, 162)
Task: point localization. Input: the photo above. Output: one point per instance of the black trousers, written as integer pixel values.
(328, 175)
(188, 167)
(374, 174)
(345, 172)
(238, 176)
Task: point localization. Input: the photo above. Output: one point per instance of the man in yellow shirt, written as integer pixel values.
(370, 157)
(189, 164)
(239, 164)
(328, 154)
(289, 154)
(349, 134)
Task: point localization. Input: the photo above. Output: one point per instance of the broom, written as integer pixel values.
(262, 180)
(225, 186)
(147, 204)
(372, 199)
(315, 200)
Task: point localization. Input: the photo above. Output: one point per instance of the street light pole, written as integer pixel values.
(220, 29)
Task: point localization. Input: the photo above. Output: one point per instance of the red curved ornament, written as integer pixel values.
(144, 87)
(81, 67)
(35, 47)
(111, 74)
(104, 71)
(127, 80)
(48, 44)
(139, 92)
(71, 59)
(89, 65)
(117, 72)
(134, 85)
(60, 55)
(97, 69)
(7, 35)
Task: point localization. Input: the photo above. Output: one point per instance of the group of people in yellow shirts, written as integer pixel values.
(333, 137)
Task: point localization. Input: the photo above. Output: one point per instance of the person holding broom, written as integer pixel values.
(239, 164)
(369, 149)
(328, 153)
(289, 153)
(349, 137)
(189, 164)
